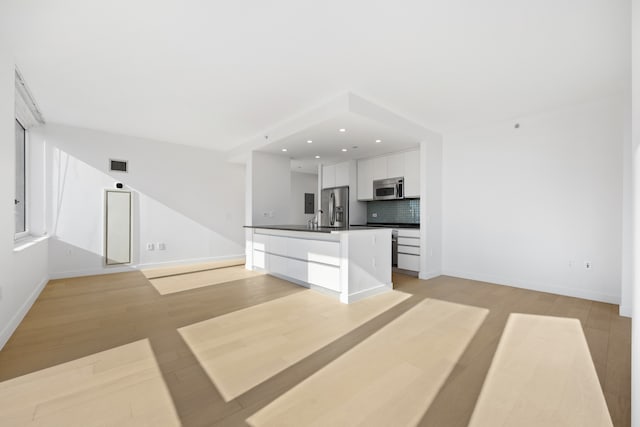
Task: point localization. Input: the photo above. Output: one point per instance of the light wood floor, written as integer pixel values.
(541, 374)
(241, 350)
(387, 380)
(76, 323)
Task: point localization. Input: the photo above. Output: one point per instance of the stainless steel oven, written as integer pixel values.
(388, 189)
(394, 248)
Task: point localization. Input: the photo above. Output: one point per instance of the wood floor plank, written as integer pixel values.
(388, 379)
(122, 385)
(541, 374)
(78, 318)
(267, 338)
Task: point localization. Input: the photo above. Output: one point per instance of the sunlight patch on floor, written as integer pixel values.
(541, 375)
(243, 349)
(390, 378)
(122, 386)
(187, 281)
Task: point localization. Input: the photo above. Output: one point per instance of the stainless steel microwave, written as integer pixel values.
(388, 189)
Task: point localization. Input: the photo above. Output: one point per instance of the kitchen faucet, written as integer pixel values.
(316, 219)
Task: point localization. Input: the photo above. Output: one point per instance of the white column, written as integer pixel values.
(626, 290)
(248, 212)
(431, 208)
(635, 224)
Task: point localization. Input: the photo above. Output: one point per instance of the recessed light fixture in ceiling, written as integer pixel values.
(378, 141)
(317, 157)
(344, 149)
(284, 149)
(342, 130)
(309, 141)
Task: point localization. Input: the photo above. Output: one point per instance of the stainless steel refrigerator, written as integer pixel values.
(334, 203)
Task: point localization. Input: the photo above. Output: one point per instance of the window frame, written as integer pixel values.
(18, 235)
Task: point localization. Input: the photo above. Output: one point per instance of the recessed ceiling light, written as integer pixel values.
(309, 141)
(344, 149)
(342, 130)
(378, 140)
(317, 157)
(284, 149)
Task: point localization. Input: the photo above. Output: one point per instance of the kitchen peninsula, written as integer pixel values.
(349, 263)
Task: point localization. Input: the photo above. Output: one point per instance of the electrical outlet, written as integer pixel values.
(161, 246)
(588, 265)
(150, 246)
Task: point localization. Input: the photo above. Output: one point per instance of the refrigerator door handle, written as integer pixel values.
(332, 210)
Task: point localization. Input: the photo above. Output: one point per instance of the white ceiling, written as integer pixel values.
(216, 74)
(327, 142)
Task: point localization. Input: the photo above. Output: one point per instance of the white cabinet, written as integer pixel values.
(342, 174)
(310, 261)
(378, 168)
(368, 171)
(329, 176)
(365, 179)
(408, 262)
(335, 175)
(409, 249)
(412, 173)
(395, 165)
(405, 164)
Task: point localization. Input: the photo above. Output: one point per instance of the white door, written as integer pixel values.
(118, 227)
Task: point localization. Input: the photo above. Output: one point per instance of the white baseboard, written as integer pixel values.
(10, 328)
(429, 275)
(90, 272)
(181, 262)
(356, 296)
(135, 267)
(558, 290)
(625, 309)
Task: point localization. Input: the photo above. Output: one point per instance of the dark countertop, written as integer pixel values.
(295, 227)
(389, 225)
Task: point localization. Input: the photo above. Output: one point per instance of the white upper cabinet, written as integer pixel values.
(368, 171)
(335, 175)
(378, 169)
(329, 176)
(365, 179)
(406, 164)
(342, 174)
(395, 165)
(412, 173)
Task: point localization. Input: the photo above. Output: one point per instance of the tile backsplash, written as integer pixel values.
(394, 211)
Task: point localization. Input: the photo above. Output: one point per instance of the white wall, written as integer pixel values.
(527, 207)
(187, 198)
(431, 207)
(626, 289)
(635, 223)
(271, 188)
(24, 272)
(301, 183)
